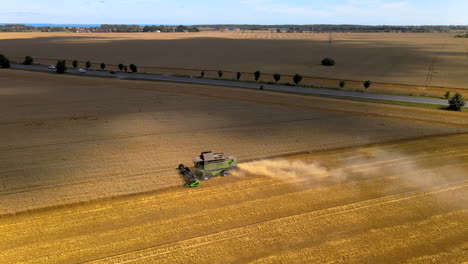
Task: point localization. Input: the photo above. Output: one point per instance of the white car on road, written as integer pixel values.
(51, 67)
(82, 70)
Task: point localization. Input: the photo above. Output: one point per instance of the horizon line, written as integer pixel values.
(228, 24)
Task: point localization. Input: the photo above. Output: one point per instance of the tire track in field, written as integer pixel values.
(251, 183)
(430, 72)
(192, 216)
(244, 185)
(253, 124)
(264, 227)
(120, 242)
(350, 169)
(397, 241)
(466, 50)
(382, 163)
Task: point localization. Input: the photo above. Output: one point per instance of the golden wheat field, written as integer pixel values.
(423, 64)
(87, 174)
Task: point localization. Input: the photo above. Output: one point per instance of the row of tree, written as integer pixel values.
(102, 28)
(88, 65)
(25, 28)
(278, 28)
(456, 102)
(148, 28)
(297, 78)
(338, 28)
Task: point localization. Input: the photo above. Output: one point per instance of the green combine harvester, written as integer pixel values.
(207, 165)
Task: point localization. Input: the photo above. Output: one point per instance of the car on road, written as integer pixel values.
(51, 67)
(82, 70)
(113, 72)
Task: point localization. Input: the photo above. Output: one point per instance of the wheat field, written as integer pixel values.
(87, 174)
(400, 202)
(67, 139)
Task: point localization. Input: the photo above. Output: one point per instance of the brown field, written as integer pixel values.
(87, 174)
(419, 64)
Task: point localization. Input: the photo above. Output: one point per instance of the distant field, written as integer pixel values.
(420, 60)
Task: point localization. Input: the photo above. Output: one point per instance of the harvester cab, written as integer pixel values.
(206, 166)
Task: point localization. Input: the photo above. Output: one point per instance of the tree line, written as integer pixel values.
(25, 28)
(456, 102)
(147, 28)
(278, 28)
(102, 28)
(337, 28)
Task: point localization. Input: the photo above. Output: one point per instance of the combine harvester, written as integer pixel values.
(207, 165)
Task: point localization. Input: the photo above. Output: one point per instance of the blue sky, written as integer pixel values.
(370, 12)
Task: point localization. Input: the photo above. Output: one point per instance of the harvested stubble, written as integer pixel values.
(68, 139)
(404, 201)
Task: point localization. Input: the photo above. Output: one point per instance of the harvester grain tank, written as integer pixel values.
(206, 166)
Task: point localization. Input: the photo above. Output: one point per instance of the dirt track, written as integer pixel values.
(401, 202)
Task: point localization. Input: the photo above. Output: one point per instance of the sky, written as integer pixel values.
(364, 12)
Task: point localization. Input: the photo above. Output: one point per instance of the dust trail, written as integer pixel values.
(289, 170)
(418, 170)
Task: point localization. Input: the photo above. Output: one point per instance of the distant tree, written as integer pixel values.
(447, 95)
(456, 102)
(103, 66)
(257, 75)
(121, 66)
(61, 66)
(238, 76)
(75, 63)
(133, 68)
(202, 74)
(277, 77)
(278, 30)
(342, 84)
(181, 28)
(88, 65)
(28, 60)
(367, 84)
(328, 62)
(125, 69)
(297, 78)
(4, 62)
(220, 74)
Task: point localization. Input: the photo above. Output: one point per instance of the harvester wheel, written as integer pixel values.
(206, 175)
(225, 173)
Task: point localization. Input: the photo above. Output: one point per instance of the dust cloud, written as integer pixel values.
(283, 169)
(421, 170)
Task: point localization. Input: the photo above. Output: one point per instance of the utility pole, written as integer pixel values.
(330, 40)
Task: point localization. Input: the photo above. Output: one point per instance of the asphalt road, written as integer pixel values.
(272, 87)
